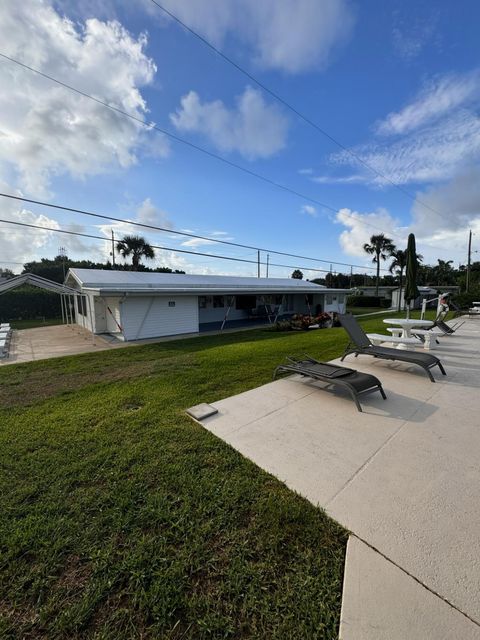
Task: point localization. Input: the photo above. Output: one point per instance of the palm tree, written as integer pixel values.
(399, 264)
(381, 247)
(444, 272)
(135, 246)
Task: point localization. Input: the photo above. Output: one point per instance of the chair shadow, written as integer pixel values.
(397, 406)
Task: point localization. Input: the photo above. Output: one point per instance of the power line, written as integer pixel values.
(172, 249)
(293, 109)
(180, 233)
(151, 125)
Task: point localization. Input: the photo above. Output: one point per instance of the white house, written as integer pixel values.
(430, 293)
(134, 304)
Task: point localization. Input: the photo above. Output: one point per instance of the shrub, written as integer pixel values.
(300, 322)
(366, 301)
(465, 300)
(28, 303)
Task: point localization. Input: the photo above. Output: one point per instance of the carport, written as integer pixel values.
(67, 294)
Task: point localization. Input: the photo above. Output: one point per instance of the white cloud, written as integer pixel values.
(200, 242)
(47, 130)
(443, 215)
(330, 179)
(414, 31)
(253, 128)
(440, 96)
(436, 136)
(22, 244)
(441, 219)
(309, 210)
(197, 242)
(434, 153)
(361, 226)
(288, 35)
(148, 213)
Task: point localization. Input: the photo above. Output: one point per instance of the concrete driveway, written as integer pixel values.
(54, 341)
(403, 477)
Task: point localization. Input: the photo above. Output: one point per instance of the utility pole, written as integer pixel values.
(268, 260)
(113, 250)
(62, 252)
(258, 263)
(467, 282)
(351, 276)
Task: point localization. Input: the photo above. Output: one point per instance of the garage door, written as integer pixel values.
(156, 316)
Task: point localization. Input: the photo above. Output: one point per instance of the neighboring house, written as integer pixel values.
(429, 293)
(134, 305)
(384, 291)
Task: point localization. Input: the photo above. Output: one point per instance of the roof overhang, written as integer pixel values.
(189, 291)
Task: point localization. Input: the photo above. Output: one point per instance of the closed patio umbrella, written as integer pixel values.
(411, 289)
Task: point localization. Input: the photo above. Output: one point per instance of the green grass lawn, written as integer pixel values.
(357, 311)
(31, 324)
(122, 518)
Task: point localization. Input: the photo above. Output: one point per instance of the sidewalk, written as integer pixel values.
(403, 477)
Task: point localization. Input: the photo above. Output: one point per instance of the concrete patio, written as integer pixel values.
(403, 477)
(53, 342)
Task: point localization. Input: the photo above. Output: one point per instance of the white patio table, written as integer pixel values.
(405, 327)
(408, 324)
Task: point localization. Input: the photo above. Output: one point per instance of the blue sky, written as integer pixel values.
(397, 83)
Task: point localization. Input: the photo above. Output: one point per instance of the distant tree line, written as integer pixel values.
(134, 247)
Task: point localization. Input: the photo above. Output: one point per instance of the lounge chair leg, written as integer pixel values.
(355, 399)
(384, 396)
(429, 373)
(440, 365)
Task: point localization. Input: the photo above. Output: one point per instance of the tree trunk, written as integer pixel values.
(378, 274)
(400, 292)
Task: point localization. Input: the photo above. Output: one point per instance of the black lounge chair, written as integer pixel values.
(360, 344)
(446, 329)
(355, 382)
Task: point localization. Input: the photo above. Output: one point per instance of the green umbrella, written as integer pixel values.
(411, 289)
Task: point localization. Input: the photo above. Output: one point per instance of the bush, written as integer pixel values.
(465, 300)
(366, 301)
(281, 325)
(300, 322)
(28, 303)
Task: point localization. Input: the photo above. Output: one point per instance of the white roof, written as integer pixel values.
(105, 280)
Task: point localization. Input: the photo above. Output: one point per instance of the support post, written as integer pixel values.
(308, 305)
(268, 260)
(258, 263)
(68, 310)
(61, 305)
(83, 317)
(467, 282)
(91, 319)
(267, 310)
(113, 249)
(279, 309)
(230, 304)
